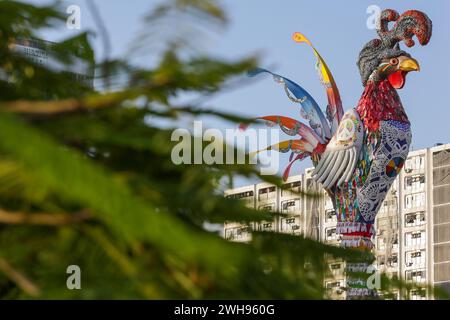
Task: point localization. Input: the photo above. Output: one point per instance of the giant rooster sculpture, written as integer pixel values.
(357, 155)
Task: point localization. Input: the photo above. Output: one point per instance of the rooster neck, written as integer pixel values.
(379, 102)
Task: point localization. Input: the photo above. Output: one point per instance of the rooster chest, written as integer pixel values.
(386, 161)
(380, 102)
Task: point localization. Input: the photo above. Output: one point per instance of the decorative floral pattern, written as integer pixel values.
(394, 148)
(385, 148)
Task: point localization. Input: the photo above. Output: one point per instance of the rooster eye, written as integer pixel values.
(393, 61)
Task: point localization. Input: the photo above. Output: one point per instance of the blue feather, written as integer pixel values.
(316, 118)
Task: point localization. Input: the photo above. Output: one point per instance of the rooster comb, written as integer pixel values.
(411, 23)
(407, 25)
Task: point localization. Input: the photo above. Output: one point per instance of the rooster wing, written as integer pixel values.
(339, 160)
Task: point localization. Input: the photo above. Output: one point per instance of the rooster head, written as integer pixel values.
(383, 58)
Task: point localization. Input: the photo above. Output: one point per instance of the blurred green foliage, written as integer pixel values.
(86, 178)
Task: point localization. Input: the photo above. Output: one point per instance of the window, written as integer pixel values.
(393, 260)
(415, 183)
(415, 219)
(330, 216)
(265, 226)
(331, 234)
(266, 193)
(415, 163)
(267, 207)
(290, 220)
(415, 259)
(415, 239)
(416, 200)
(418, 294)
(241, 233)
(334, 285)
(416, 276)
(336, 268)
(241, 195)
(290, 206)
(290, 225)
(290, 189)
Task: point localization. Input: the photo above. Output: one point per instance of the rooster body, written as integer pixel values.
(361, 162)
(357, 155)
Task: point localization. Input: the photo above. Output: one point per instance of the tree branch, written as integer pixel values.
(42, 107)
(66, 106)
(43, 219)
(19, 279)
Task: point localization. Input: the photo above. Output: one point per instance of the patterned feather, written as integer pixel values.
(292, 127)
(296, 146)
(312, 112)
(335, 111)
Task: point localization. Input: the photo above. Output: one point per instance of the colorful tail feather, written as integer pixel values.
(298, 157)
(335, 112)
(311, 109)
(314, 138)
(296, 146)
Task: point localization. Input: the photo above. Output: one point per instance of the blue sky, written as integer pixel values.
(337, 29)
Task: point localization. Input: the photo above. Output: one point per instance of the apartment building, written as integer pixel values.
(41, 52)
(413, 224)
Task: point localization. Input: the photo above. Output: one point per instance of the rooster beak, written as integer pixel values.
(409, 64)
